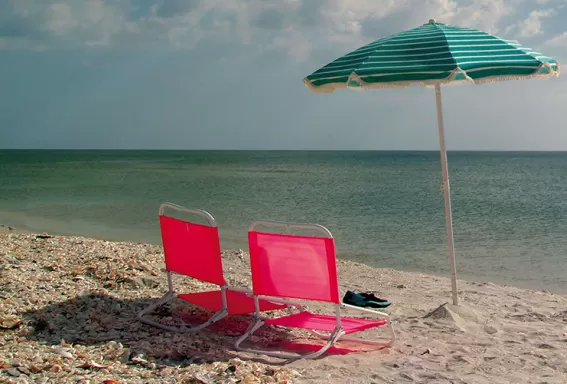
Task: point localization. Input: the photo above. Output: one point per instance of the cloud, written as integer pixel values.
(172, 8)
(558, 40)
(54, 24)
(532, 25)
(483, 14)
(292, 27)
(510, 29)
(351, 23)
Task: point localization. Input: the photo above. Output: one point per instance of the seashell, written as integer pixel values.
(9, 322)
(64, 352)
(92, 365)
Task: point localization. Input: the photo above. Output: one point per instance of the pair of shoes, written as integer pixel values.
(367, 299)
(372, 297)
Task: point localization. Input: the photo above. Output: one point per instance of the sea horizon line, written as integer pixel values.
(275, 150)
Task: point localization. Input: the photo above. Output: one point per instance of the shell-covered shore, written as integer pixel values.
(67, 314)
(68, 307)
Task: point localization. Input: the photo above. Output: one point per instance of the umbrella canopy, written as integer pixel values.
(431, 55)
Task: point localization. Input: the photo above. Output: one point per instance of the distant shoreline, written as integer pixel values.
(464, 277)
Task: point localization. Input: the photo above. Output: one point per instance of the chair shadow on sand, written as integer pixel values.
(97, 319)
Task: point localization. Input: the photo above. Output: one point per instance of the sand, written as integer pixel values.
(68, 306)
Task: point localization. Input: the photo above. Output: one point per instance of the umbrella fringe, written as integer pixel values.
(330, 87)
(495, 79)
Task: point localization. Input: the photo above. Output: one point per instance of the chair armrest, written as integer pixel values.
(366, 310)
(236, 289)
(287, 302)
(276, 300)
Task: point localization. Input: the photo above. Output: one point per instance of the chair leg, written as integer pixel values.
(166, 298)
(333, 338)
(386, 344)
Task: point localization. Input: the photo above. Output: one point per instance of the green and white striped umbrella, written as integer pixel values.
(431, 55)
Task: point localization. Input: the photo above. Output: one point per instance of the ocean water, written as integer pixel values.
(384, 208)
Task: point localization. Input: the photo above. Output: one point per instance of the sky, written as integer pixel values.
(227, 74)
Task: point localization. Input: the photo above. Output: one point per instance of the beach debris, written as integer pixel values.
(14, 372)
(64, 352)
(8, 322)
(92, 365)
(24, 370)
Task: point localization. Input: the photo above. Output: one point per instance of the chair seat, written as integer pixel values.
(238, 302)
(325, 323)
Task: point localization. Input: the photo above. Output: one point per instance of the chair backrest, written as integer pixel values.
(293, 266)
(191, 249)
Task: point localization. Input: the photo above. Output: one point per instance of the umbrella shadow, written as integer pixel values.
(98, 319)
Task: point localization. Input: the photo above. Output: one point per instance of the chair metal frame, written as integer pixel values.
(172, 294)
(332, 337)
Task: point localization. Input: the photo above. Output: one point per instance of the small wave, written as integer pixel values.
(143, 161)
(269, 171)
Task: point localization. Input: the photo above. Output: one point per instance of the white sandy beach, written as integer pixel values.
(68, 307)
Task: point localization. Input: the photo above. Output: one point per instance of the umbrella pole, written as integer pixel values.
(447, 193)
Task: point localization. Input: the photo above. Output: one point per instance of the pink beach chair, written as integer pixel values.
(300, 267)
(193, 250)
